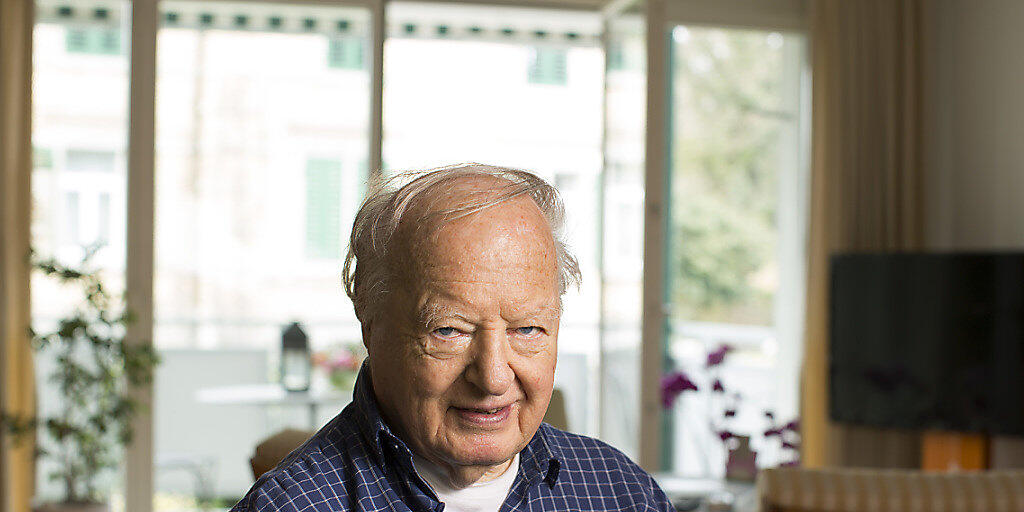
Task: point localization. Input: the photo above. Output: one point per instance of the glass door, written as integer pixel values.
(514, 87)
(79, 139)
(735, 245)
(622, 228)
(261, 162)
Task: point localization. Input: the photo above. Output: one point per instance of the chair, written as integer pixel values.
(272, 450)
(556, 414)
(869, 490)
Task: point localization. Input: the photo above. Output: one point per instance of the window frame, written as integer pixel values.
(660, 16)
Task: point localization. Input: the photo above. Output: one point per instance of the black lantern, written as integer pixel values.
(295, 365)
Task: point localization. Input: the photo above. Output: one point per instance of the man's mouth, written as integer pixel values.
(487, 411)
(483, 416)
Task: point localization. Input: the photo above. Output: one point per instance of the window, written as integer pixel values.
(103, 227)
(79, 132)
(734, 246)
(258, 150)
(88, 160)
(323, 208)
(437, 113)
(548, 66)
(99, 41)
(261, 160)
(42, 158)
(71, 215)
(346, 53)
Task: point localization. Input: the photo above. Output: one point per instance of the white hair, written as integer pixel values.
(367, 274)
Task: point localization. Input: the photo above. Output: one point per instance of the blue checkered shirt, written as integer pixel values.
(356, 463)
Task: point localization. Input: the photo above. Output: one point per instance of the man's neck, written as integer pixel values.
(461, 477)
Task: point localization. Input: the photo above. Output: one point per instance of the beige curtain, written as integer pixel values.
(866, 187)
(17, 473)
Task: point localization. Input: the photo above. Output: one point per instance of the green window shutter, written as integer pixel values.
(345, 53)
(99, 41)
(76, 40)
(109, 41)
(323, 208)
(548, 66)
(616, 56)
(42, 158)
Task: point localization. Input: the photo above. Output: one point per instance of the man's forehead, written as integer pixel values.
(514, 231)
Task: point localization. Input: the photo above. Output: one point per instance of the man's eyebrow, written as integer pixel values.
(431, 312)
(544, 310)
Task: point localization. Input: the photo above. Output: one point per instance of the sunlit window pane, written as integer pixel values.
(519, 88)
(623, 232)
(261, 151)
(735, 235)
(79, 134)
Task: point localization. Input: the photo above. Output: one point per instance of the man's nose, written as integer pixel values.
(489, 369)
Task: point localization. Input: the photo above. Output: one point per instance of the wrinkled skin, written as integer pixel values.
(472, 326)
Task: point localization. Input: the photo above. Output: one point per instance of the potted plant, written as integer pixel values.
(782, 439)
(95, 372)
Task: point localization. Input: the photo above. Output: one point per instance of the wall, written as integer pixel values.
(976, 190)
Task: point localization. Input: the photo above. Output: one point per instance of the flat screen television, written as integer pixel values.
(928, 341)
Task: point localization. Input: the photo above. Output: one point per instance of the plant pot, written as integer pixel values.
(71, 507)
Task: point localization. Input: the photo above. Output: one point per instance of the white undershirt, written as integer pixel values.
(479, 497)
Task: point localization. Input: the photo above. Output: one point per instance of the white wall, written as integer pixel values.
(977, 200)
(975, 193)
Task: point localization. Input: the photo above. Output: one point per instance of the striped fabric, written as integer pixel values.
(356, 463)
(860, 490)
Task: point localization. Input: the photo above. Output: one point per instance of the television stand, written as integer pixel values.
(953, 451)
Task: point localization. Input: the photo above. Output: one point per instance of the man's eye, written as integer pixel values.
(446, 332)
(529, 332)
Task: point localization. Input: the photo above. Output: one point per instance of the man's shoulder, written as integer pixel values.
(592, 469)
(577, 449)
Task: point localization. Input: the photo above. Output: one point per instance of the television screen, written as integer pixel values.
(928, 341)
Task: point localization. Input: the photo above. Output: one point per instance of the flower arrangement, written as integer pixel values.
(723, 407)
(787, 435)
(341, 364)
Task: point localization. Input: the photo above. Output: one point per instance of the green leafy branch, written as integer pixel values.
(95, 373)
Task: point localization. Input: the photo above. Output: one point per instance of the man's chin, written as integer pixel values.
(484, 452)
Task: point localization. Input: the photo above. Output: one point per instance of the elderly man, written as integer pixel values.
(457, 283)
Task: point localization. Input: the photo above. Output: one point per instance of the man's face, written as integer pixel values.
(463, 359)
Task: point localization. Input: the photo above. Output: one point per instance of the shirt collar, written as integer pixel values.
(537, 460)
(370, 422)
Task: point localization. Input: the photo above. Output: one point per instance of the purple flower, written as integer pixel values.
(792, 426)
(672, 385)
(725, 435)
(717, 387)
(716, 357)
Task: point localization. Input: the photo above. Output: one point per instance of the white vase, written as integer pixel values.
(71, 507)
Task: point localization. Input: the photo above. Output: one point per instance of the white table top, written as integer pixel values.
(742, 495)
(271, 394)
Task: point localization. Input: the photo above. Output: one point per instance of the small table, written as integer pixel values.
(274, 394)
